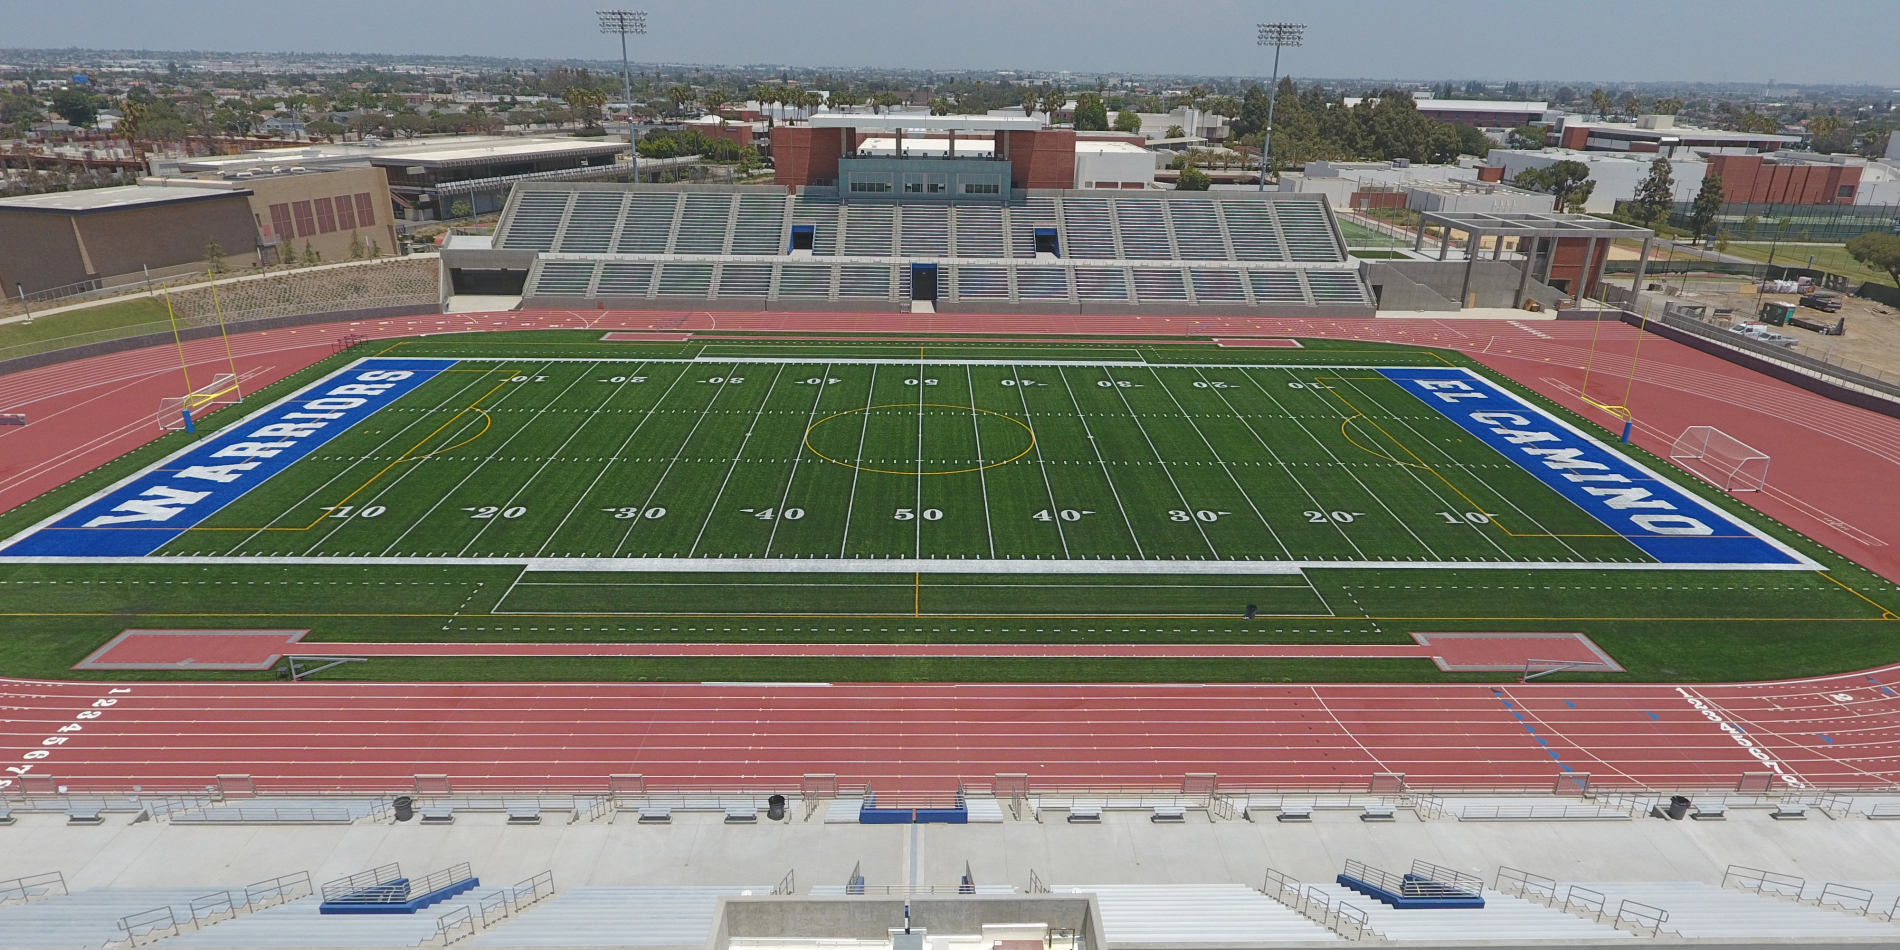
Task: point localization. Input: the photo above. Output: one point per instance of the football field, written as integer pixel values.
(1156, 468)
(554, 486)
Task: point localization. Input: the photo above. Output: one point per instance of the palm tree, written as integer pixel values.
(679, 96)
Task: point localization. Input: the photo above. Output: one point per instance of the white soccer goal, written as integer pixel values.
(1721, 459)
(223, 391)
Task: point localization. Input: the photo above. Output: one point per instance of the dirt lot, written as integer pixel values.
(1873, 329)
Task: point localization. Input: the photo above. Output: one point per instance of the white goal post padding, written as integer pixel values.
(222, 391)
(1721, 459)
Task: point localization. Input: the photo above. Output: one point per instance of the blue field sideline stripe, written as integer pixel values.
(1667, 522)
(143, 514)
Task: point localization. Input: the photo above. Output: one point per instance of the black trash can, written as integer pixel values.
(405, 808)
(775, 808)
(1678, 807)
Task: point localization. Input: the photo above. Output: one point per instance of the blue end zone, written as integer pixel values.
(159, 504)
(1668, 523)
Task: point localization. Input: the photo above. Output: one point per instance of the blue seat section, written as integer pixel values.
(1662, 519)
(394, 898)
(870, 814)
(144, 513)
(1413, 890)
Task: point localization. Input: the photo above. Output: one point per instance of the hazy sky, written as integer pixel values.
(1819, 41)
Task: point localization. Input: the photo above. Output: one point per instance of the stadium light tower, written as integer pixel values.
(624, 22)
(1279, 36)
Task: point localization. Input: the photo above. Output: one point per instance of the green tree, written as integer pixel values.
(1708, 204)
(310, 255)
(76, 107)
(1175, 132)
(1666, 106)
(460, 209)
(1253, 113)
(1091, 114)
(1128, 120)
(1881, 251)
(1721, 241)
(1569, 181)
(1193, 179)
(357, 250)
(1656, 194)
(214, 256)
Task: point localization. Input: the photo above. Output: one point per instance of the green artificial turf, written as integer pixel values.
(553, 445)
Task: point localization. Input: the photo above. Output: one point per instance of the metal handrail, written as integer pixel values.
(1524, 883)
(146, 923)
(30, 886)
(789, 884)
(535, 888)
(1847, 897)
(448, 925)
(1594, 901)
(1639, 914)
(284, 887)
(344, 887)
(1765, 882)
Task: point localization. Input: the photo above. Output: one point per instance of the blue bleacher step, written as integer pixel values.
(410, 906)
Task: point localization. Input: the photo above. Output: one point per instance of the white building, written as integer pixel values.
(1616, 173)
(1106, 164)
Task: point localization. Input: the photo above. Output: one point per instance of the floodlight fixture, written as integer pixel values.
(1279, 36)
(624, 22)
(1282, 34)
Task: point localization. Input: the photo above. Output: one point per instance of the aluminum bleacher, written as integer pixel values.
(616, 917)
(1697, 910)
(1190, 915)
(1161, 251)
(92, 918)
(1502, 918)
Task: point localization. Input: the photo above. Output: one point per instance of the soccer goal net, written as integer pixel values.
(1721, 459)
(173, 410)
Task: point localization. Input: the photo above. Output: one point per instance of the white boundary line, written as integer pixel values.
(825, 565)
(934, 565)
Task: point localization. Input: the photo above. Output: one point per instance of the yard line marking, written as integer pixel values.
(857, 469)
(798, 456)
(1283, 465)
(516, 496)
(1145, 437)
(618, 454)
(1218, 460)
(737, 455)
(313, 493)
(1446, 482)
(647, 504)
(918, 529)
(410, 456)
(1043, 466)
(444, 497)
(1321, 443)
(983, 479)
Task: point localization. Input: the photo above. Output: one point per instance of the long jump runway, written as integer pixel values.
(1838, 731)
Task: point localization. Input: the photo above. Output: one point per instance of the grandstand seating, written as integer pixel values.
(298, 924)
(1502, 918)
(1162, 250)
(90, 918)
(1188, 915)
(1700, 910)
(616, 917)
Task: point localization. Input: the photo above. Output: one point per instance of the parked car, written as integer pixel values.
(1761, 334)
(1826, 303)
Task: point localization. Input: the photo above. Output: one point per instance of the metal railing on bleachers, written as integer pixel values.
(148, 926)
(1526, 885)
(361, 881)
(1858, 900)
(1640, 917)
(1764, 882)
(32, 887)
(277, 890)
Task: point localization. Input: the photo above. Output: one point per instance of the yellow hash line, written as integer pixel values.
(1885, 614)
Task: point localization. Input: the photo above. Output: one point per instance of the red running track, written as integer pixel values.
(1832, 731)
